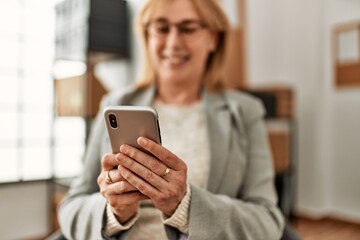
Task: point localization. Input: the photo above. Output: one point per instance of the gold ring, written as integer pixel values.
(108, 178)
(166, 171)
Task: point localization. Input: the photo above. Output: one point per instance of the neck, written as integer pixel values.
(178, 95)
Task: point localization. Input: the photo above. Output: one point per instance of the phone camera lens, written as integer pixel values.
(113, 121)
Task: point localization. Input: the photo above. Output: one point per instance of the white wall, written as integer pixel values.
(289, 42)
(24, 210)
(344, 113)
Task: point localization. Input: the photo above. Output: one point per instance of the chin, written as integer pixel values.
(176, 80)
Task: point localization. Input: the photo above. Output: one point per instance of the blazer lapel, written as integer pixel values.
(144, 97)
(219, 127)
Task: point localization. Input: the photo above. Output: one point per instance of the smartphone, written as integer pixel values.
(125, 124)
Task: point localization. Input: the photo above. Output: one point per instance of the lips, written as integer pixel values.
(175, 60)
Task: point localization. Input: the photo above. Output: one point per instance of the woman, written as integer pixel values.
(212, 178)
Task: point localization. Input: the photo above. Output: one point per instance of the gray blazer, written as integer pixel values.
(239, 201)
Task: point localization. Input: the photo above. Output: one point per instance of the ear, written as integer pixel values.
(214, 39)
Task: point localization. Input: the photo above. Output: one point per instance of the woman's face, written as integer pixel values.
(179, 44)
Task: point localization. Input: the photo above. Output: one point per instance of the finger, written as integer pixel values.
(141, 171)
(120, 188)
(108, 161)
(164, 155)
(114, 175)
(116, 201)
(143, 158)
(143, 186)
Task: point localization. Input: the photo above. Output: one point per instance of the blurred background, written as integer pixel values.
(301, 58)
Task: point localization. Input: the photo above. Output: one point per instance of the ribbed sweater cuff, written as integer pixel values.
(180, 218)
(112, 226)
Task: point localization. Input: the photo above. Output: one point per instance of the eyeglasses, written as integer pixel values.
(188, 29)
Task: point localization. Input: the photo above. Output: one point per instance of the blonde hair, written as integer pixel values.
(214, 17)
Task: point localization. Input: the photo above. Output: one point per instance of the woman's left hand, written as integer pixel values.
(162, 178)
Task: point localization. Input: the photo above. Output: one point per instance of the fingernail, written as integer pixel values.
(142, 141)
(122, 148)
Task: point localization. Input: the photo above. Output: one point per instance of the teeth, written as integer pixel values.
(175, 60)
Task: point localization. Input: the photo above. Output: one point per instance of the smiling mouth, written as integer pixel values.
(175, 60)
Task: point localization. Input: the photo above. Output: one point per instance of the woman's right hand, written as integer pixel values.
(122, 196)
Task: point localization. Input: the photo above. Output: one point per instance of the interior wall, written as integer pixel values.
(24, 210)
(289, 43)
(344, 115)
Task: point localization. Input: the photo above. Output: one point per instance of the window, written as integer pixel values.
(33, 144)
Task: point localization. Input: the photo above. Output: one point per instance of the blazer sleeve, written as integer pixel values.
(81, 213)
(253, 213)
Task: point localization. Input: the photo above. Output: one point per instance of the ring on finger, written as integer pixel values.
(166, 172)
(108, 178)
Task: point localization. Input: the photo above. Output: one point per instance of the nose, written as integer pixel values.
(174, 38)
